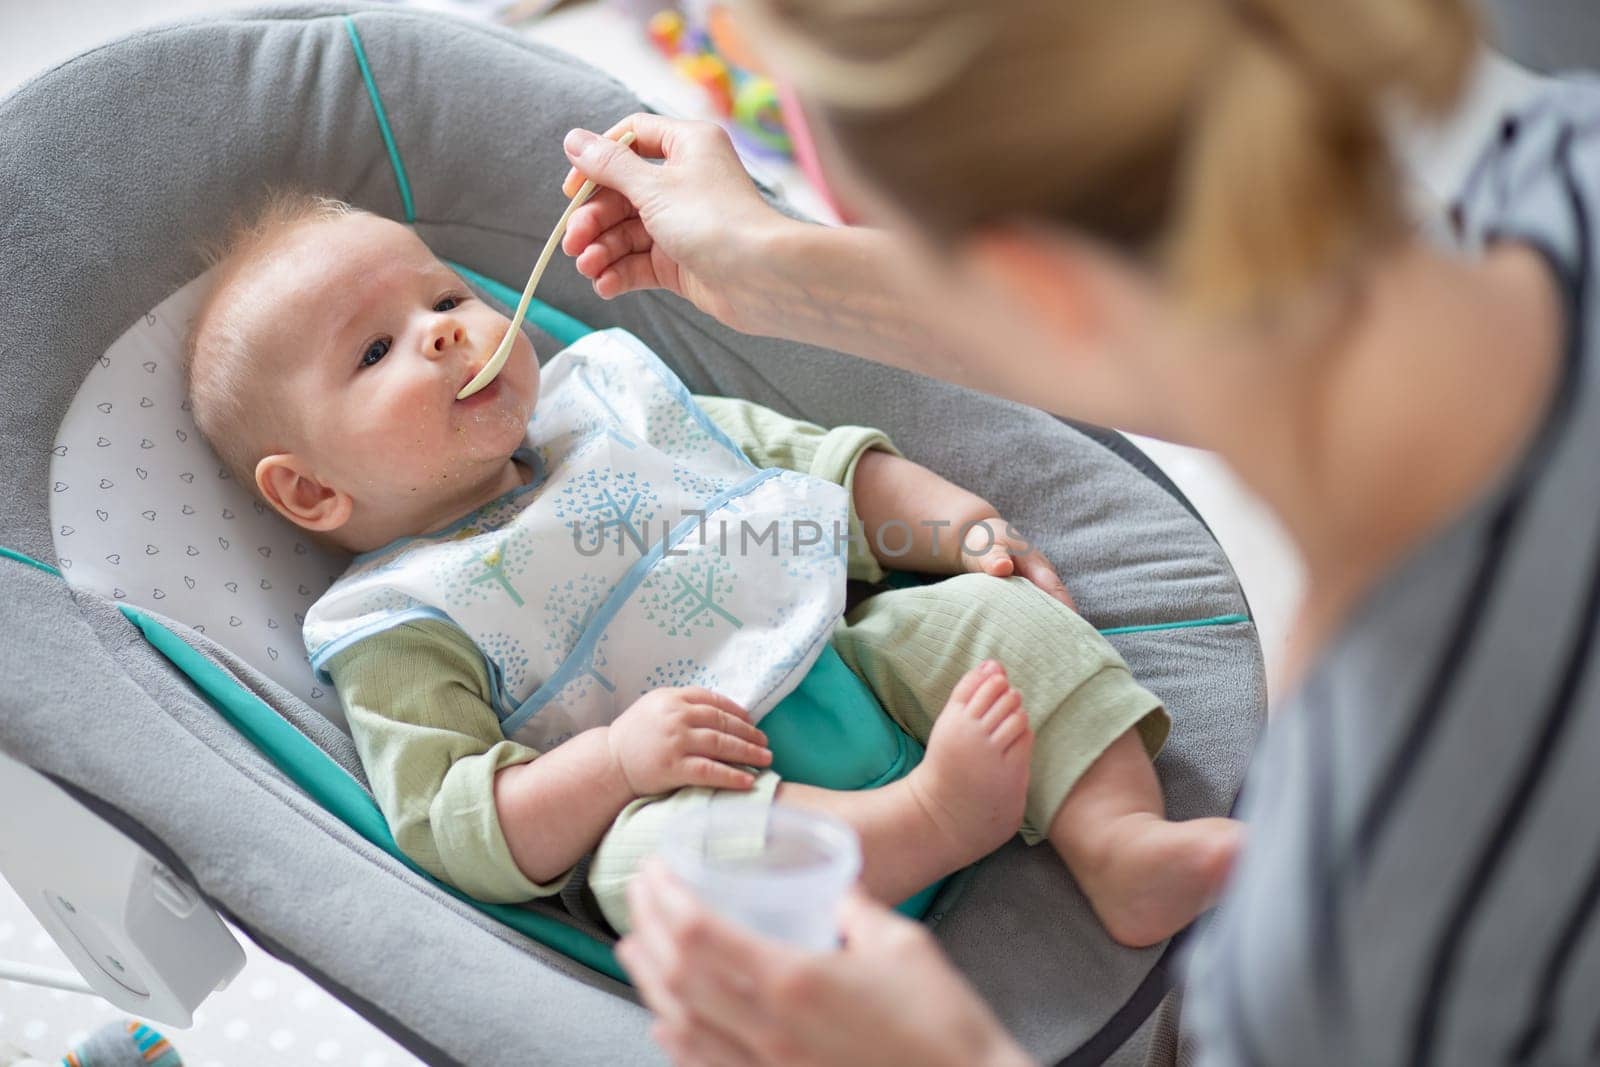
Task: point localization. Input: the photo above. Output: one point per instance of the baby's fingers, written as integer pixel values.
(994, 560)
(700, 695)
(698, 770)
(727, 748)
(1038, 570)
(710, 718)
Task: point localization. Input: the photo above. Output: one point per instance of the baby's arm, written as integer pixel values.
(555, 809)
(493, 818)
(903, 515)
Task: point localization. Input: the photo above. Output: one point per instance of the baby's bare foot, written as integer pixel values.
(973, 782)
(1153, 877)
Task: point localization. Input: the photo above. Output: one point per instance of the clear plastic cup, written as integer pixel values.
(781, 873)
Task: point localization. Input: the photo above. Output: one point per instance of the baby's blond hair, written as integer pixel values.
(232, 401)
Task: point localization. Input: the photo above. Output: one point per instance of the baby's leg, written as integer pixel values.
(1096, 730)
(912, 645)
(963, 801)
(1147, 878)
(636, 833)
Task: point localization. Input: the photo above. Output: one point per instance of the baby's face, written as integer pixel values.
(376, 337)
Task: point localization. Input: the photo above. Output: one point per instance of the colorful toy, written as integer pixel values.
(703, 43)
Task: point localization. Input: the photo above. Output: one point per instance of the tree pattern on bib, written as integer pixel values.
(679, 673)
(674, 430)
(569, 608)
(604, 501)
(817, 557)
(599, 379)
(510, 657)
(688, 596)
(484, 569)
(702, 487)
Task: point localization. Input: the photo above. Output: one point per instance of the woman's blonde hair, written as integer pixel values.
(1238, 143)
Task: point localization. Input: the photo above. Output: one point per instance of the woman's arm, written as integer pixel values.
(697, 226)
(723, 995)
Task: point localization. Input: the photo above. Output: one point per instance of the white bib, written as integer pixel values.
(647, 551)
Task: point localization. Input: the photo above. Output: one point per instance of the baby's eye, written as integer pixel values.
(447, 304)
(375, 351)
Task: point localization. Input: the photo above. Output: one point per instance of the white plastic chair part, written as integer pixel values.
(140, 936)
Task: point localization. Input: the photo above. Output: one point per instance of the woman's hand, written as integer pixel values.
(725, 997)
(688, 225)
(672, 738)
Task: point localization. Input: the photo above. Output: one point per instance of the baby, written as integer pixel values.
(534, 670)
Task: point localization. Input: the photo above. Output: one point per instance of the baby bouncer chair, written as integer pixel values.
(166, 755)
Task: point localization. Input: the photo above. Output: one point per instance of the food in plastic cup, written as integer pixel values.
(781, 872)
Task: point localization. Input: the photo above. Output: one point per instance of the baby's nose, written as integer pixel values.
(450, 335)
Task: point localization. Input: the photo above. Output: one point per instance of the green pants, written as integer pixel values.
(911, 646)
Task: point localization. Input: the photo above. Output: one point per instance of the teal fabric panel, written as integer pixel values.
(326, 782)
(831, 732)
(400, 179)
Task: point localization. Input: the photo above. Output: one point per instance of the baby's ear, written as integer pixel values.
(286, 481)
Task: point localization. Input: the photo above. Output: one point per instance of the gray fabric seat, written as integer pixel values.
(116, 165)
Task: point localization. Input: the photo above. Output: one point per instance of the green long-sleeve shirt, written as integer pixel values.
(417, 697)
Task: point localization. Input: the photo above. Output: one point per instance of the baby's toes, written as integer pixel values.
(1009, 704)
(989, 693)
(969, 682)
(1013, 731)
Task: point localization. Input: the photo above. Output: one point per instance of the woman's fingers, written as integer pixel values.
(607, 163)
(865, 924)
(621, 240)
(723, 960)
(655, 137)
(604, 210)
(627, 275)
(702, 1045)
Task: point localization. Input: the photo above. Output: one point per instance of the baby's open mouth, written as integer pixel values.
(473, 374)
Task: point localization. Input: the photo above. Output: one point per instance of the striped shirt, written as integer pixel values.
(1422, 881)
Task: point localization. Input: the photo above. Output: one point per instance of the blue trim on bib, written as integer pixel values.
(523, 452)
(388, 622)
(578, 659)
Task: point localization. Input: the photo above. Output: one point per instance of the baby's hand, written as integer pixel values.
(1009, 554)
(670, 738)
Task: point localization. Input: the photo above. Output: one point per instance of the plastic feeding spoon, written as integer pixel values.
(492, 368)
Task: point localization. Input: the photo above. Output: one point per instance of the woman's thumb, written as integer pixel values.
(605, 161)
